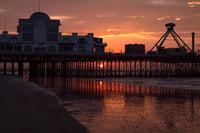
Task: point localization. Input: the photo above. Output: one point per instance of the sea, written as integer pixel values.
(129, 105)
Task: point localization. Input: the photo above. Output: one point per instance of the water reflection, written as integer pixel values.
(107, 105)
(96, 87)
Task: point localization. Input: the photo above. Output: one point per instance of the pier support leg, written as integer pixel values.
(5, 68)
(20, 68)
(13, 68)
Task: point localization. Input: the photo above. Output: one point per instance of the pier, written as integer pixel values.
(94, 65)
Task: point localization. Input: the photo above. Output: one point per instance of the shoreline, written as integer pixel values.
(165, 82)
(28, 108)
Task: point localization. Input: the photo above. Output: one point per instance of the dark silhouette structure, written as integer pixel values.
(181, 50)
(100, 65)
(135, 49)
(40, 34)
(79, 62)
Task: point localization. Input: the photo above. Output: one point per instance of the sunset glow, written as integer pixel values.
(117, 22)
(101, 65)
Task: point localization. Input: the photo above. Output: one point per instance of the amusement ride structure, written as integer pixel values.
(182, 49)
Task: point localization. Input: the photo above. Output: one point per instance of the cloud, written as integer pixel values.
(163, 18)
(166, 3)
(167, 17)
(178, 19)
(80, 22)
(113, 29)
(109, 30)
(197, 14)
(158, 2)
(136, 35)
(135, 17)
(106, 15)
(62, 18)
(193, 3)
(2, 10)
(132, 17)
(13, 32)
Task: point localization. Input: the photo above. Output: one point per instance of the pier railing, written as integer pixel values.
(107, 65)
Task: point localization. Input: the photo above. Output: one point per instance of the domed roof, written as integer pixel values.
(39, 16)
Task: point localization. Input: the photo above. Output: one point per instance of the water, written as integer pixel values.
(130, 105)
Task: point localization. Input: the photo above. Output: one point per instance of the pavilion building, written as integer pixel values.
(40, 34)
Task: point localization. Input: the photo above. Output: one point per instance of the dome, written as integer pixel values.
(39, 16)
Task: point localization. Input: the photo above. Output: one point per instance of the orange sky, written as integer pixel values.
(119, 22)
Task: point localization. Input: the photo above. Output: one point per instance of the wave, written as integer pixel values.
(178, 83)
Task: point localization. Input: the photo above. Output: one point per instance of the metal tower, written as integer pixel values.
(177, 38)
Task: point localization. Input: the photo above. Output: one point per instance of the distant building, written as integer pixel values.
(135, 49)
(40, 34)
(171, 51)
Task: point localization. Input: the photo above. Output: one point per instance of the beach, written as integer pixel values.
(29, 108)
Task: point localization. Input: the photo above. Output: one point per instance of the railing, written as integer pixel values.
(107, 65)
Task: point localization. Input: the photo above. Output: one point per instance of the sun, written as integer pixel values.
(101, 65)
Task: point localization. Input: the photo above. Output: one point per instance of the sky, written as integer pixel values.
(118, 22)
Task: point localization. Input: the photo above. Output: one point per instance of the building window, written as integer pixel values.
(66, 47)
(28, 36)
(98, 40)
(2, 47)
(17, 48)
(81, 49)
(9, 47)
(27, 49)
(52, 29)
(82, 41)
(52, 49)
(13, 40)
(52, 37)
(67, 40)
(40, 50)
(27, 28)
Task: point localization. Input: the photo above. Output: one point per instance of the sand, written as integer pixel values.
(26, 108)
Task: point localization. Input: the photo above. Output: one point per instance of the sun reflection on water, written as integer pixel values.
(124, 105)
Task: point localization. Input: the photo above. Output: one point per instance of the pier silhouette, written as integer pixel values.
(42, 51)
(107, 65)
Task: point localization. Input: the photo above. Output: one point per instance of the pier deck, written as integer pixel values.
(107, 65)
